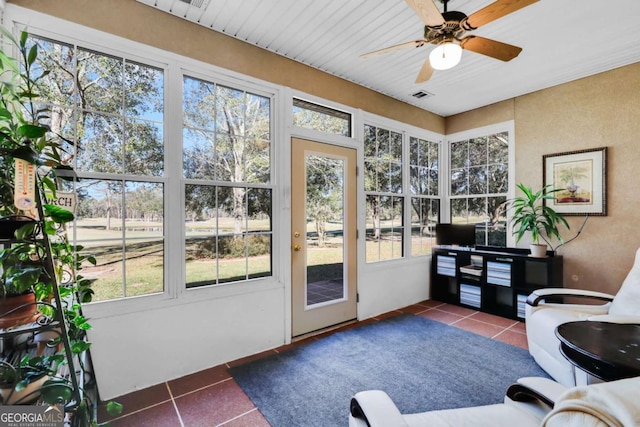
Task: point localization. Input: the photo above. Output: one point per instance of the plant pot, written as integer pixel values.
(18, 310)
(47, 338)
(538, 251)
(9, 225)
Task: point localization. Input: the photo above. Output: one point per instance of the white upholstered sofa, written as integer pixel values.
(531, 402)
(544, 313)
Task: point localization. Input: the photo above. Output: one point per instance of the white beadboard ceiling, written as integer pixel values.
(562, 40)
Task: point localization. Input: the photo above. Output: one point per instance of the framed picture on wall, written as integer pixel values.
(582, 177)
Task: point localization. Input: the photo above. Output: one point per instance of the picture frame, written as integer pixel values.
(582, 176)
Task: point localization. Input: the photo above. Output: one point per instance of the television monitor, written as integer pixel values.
(456, 234)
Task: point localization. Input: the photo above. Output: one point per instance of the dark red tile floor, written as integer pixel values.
(212, 398)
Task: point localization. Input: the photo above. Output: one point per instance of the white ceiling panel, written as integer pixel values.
(562, 40)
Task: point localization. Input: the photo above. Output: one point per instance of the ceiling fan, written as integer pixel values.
(448, 30)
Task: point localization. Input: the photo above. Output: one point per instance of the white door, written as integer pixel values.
(323, 241)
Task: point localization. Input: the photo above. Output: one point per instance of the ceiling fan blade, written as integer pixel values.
(413, 43)
(495, 11)
(492, 48)
(427, 11)
(425, 72)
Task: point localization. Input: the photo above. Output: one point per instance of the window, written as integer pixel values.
(384, 198)
(112, 109)
(425, 203)
(479, 185)
(318, 117)
(227, 171)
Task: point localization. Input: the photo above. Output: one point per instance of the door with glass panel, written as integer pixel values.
(323, 240)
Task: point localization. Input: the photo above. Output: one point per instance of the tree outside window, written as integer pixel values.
(110, 110)
(425, 202)
(479, 171)
(227, 167)
(384, 194)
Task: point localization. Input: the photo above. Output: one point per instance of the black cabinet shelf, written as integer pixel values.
(493, 280)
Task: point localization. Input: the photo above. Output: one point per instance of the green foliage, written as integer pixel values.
(24, 133)
(24, 265)
(19, 273)
(114, 408)
(233, 247)
(532, 216)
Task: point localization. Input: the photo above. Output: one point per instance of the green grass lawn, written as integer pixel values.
(144, 254)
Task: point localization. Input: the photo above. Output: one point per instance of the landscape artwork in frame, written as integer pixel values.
(582, 178)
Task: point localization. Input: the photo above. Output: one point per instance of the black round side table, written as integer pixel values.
(609, 351)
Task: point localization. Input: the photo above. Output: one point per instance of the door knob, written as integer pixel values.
(296, 234)
(297, 247)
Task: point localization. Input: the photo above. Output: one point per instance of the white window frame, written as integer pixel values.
(509, 128)
(438, 139)
(173, 65)
(248, 88)
(407, 132)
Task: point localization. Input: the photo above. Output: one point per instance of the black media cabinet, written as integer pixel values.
(491, 279)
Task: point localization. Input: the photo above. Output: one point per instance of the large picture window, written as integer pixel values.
(479, 169)
(227, 171)
(112, 110)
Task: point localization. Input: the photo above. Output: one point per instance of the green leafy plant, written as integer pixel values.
(25, 135)
(531, 216)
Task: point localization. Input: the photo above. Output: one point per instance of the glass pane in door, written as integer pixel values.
(325, 224)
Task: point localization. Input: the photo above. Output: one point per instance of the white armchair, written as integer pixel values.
(531, 402)
(544, 313)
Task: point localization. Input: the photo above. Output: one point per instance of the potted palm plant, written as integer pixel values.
(531, 216)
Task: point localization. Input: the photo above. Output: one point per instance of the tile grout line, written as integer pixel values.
(175, 406)
(511, 328)
(499, 333)
(461, 317)
(470, 317)
(202, 388)
(138, 411)
(237, 417)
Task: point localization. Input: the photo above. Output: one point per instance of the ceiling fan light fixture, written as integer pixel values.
(445, 56)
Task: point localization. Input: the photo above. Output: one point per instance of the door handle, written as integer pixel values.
(297, 247)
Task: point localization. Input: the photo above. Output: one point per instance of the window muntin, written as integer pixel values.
(479, 170)
(227, 170)
(318, 117)
(384, 194)
(112, 109)
(218, 247)
(425, 214)
(121, 223)
(423, 166)
(226, 133)
(425, 204)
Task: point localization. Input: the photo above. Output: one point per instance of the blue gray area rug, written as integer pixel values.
(422, 364)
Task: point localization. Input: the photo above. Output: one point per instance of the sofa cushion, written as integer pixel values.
(612, 404)
(499, 415)
(627, 300)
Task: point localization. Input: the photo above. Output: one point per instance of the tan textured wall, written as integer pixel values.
(136, 21)
(597, 111)
(495, 113)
